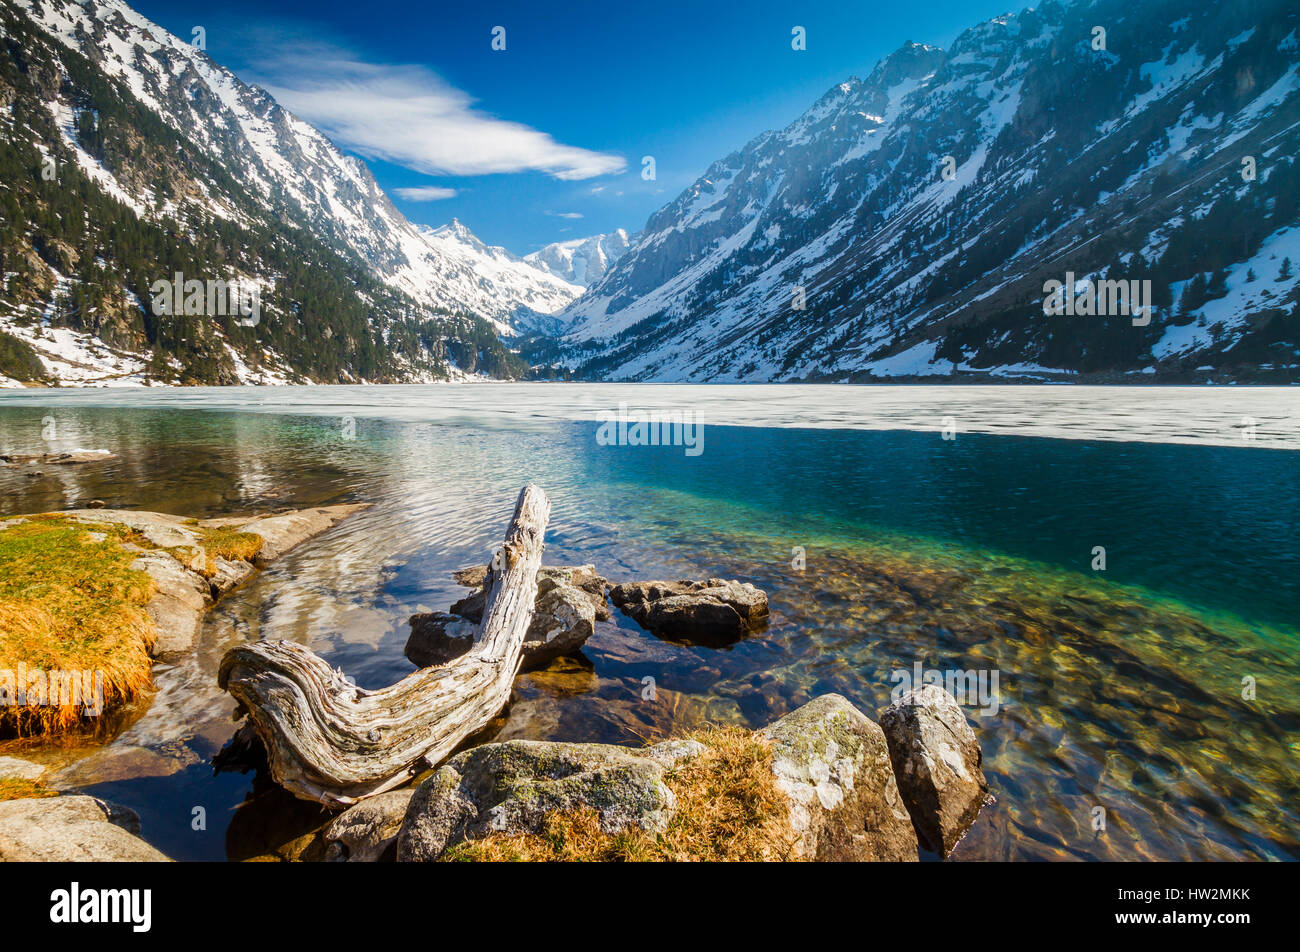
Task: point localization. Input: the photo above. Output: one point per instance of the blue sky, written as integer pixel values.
(544, 141)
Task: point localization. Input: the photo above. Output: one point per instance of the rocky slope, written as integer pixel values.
(908, 223)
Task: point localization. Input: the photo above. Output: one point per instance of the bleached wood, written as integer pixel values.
(330, 741)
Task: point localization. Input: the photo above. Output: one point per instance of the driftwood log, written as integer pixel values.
(331, 741)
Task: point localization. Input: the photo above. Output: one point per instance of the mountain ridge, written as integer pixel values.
(906, 273)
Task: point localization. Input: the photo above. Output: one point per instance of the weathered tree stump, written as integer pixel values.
(331, 741)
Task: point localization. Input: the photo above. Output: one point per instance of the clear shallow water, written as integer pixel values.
(1118, 689)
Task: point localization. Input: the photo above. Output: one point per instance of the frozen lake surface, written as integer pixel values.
(1264, 417)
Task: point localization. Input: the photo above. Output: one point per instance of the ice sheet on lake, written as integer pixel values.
(1253, 417)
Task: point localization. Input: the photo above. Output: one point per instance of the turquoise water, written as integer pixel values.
(1119, 689)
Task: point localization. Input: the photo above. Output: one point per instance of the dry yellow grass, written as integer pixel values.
(728, 810)
(70, 602)
(24, 790)
(231, 544)
(218, 543)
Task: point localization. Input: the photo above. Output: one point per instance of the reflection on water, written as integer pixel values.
(1119, 689)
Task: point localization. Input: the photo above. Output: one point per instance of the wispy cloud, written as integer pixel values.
(425, 193)
(566, 214)
(410, 116)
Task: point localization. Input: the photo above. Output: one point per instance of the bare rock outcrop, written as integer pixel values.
(713, 613)
(73, 829)
(832, 762)
(183, 591)
(938, 763)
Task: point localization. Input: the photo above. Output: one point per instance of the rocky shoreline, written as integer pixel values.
(834, 784)
(849, 789)
(188, 578)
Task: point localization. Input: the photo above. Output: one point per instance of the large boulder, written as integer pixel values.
(570, 600)
(580, 577)
(938, 763)
(832, 763)
(564, 617)
(71, 829)
(513, 787)
(713, 613)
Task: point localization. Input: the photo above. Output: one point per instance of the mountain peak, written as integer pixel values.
(582, 261)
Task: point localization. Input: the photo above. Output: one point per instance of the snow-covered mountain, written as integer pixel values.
(486, 279)
(909, 223)
(242, 160)
(288, 160)
(582, 261)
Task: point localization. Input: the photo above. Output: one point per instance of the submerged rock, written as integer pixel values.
(937, 761)
(715, 613)
(832, 762)
(118, 762)
(570, 600)
(71, 829)
(438, 637)
(73, 458)
(284, 531)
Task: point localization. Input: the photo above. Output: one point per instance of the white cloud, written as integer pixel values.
(425, 193)
(566, 214)
(410, 116)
